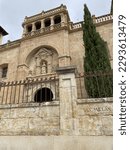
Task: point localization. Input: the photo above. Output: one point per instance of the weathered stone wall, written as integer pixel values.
(76, 44)
(78, 123)
(68, 45)
(95, 117)
(77, 49)
(34, 120)
(68, 116)
(73, 123)
(89, 117)
(56, 41)
(10, 57)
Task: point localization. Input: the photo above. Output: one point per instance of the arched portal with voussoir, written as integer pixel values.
(41, 61)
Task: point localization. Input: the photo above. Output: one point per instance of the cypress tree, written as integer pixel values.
(96, 60)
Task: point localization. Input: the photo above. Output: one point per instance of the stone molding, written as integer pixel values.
(22, 65)
(10, 45)
(30, 105)
(46, 14)
(95, 100)
(65, 70)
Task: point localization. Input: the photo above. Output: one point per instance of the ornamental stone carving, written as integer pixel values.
(43, 62)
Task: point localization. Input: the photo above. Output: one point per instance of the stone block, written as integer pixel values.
(90, 125)
(30, 112)
(4, 113)
(14, 126)
(49, 111)
(107, 123)
(95, 109)
(44, 126)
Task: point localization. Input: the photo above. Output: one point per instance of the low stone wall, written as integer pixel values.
(26, 120)
(95, 116)
(90, 117)
(67, 123)
(56, 143)
(89, 127)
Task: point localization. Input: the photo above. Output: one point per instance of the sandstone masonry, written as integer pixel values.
(51, 47)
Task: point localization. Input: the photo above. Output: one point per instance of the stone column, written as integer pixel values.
(42, 25)
(94, 18)
(68, 97)
(22, 72)
(24, 31)
(1, 38)
(52, 23)
(65, 58)
(33, 28)
(63, 19)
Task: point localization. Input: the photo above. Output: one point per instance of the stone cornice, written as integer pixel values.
(46, 14)
(22, 65)
(67, 69)
(10, 45)
(64, 56)
(27, 105)
(95, 100)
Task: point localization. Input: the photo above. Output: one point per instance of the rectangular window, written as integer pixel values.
(4, 72)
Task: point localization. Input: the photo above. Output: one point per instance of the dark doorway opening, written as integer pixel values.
(43, 95)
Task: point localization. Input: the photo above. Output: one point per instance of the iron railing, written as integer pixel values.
(47, 89)
(94, 85)
(29, 91)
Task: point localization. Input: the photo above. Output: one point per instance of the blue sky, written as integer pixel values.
(13, 12)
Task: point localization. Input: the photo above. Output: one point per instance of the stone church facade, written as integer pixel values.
(44, 64)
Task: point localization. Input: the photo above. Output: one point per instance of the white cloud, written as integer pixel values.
(12, 12)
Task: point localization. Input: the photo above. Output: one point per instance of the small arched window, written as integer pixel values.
(38, 25)
(43, 95)
(47, 22)
(57, 19)
(29, 28)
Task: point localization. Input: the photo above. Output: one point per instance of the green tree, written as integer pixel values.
(96, 60)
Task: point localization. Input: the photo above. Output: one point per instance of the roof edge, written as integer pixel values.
(3, 31)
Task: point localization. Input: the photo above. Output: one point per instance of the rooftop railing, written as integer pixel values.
(103, 18)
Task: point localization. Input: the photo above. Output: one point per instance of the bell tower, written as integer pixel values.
(2, 33)
(46, 21)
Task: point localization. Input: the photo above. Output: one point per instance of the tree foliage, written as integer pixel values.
(96, 60)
